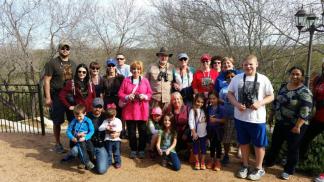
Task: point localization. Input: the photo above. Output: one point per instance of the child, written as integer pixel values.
(113, 127)
(215, 130)
(80, 131)
(166, 143)
(153, 127)
(229, 129)
(197, 125)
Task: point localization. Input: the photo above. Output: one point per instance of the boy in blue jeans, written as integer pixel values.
(80, 131)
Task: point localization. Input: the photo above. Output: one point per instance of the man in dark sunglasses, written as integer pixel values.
(57, 71)
(122, 68)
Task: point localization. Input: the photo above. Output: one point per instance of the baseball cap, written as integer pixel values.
(111, 61)
(205, 57)
(97, 101)
(156, 111)
(183, 55)
(64, 43)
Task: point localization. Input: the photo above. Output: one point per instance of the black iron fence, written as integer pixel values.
(21, 109)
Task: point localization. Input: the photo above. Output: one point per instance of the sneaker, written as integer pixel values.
(320, 178)
(256, 174)
(225, 160)
(284, 176)
(164, 163)
(67, 158)
(243, 172)
(132, 155)
(117, 165)
(202, 166)
(217, 165)
(141, 154)
(197, 165)
(210, 165)
(58, 148)
(89, 165)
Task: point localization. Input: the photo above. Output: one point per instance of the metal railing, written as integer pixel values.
(21, 109)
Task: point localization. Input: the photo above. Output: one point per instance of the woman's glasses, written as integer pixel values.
(95, 68)
(83, 72)
(120, 58)
(110, 65)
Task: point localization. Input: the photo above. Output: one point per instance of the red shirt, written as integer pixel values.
(204, 81)
(319, 100)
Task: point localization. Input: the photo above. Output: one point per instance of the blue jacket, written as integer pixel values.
(220, 80)
(75, 127)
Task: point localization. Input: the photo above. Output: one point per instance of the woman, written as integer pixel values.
(180, 112)
(292, 109)
(227, 64)
(111, 84)
(182, 78)
(136, 92)
(79, 90)
(96, 78)
(203, 79)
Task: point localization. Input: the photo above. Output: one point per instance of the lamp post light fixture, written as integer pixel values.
(307, 22)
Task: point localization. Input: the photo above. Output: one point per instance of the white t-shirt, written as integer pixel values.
(115, 124)
(198, 123)
(263, 87)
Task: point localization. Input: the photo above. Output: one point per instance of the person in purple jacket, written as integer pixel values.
(136, 92)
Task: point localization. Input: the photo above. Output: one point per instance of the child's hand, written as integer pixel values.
(82, 139)
(82, 134)
(160, 151)
(194, 136)
(212, 119)
(74, 140)
(167, 152)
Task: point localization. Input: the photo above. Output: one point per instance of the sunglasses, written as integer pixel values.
(120, 58)
(93, 68)
(183, 59)
(98, 106)
(110, 65)
(65, 48)
(205, 61)
(217, 62)
(83, 72)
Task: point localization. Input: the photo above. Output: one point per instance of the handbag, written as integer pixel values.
(121, 103)
(70, 96)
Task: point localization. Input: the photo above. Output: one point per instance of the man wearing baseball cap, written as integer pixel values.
(57, 71)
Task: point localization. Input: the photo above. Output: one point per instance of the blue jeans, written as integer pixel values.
(113, 149)
(173, 157)
(101, 160)
(80, 150)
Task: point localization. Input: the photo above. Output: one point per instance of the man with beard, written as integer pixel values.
(57, 71)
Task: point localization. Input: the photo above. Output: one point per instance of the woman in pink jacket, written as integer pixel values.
(136, 92)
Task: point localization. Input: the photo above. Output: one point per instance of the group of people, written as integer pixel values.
(177, 109)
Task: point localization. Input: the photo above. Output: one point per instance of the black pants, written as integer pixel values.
(315, 128)
(280, 134)
(215, 146)
(131, 128)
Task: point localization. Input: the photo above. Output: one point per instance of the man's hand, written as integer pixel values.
(295, 130)
(256, 105)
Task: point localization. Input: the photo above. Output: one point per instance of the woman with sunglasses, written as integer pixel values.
(96, 79)
(182, 78)
(111, 84)
(203, 79)
(79, 90)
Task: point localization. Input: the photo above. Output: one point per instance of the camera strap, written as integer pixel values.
(254, 83)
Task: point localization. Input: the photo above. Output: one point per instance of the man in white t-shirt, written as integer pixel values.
(122, 68)
(249, 92)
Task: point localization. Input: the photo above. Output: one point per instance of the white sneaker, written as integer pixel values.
(243, 172)
(256, 174)
(285, 175)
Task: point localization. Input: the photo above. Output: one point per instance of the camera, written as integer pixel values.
(137, 96)
(248, 99)
(163, 75)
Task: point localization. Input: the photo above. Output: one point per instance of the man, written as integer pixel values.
(122, 68)
(249, 92)
(216, 63)
(160, 76)
(57, 72)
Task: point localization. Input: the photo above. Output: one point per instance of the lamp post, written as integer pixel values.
(307, 23)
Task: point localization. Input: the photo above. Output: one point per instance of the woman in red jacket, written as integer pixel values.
(79, 90)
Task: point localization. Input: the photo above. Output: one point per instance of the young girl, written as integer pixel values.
(166, 143)
(113, 127)
(153, 128)
(197, 125)
(215, 130)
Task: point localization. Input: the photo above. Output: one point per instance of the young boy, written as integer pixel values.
(80, 131)
(113, 127)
